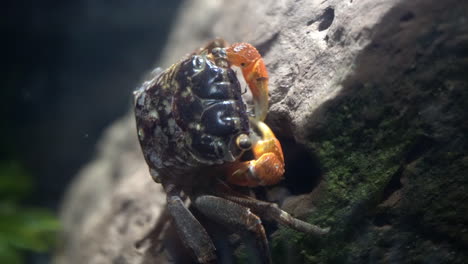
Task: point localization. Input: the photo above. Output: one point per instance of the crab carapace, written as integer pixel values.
(199, 139)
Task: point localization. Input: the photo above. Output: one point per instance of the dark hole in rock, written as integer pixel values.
(407, 16)
(310, 22)
(421, 145)
(338, 35)
(382, 219)
(393, 185)
(303, 171)
(302, 174)
(327, 19)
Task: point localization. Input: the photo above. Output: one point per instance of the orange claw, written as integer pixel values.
(255, 73)
(268, 166)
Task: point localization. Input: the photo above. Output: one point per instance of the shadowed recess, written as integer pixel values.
(302, 168)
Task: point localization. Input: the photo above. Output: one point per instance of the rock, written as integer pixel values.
(369, 99)
(102, 215)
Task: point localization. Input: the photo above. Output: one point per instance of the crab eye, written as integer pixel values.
(198, 63)
(219, 52)
(243, 142)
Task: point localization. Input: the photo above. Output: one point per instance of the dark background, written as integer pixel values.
(68, 71)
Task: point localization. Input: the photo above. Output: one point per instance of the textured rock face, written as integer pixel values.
(370, 101)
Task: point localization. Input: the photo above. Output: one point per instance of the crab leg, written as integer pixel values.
(272, 211)
(268, 166)
(268, 210)
(240, 218)
(190, 230)
(255, 74)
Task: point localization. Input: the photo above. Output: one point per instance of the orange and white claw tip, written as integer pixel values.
(255, 73)
(267, 170)
(268, 166)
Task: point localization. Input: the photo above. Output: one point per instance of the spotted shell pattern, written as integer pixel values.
(190, 115)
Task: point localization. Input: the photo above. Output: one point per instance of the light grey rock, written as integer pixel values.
(112, 203)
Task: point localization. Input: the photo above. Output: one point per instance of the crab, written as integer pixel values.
(200, 140)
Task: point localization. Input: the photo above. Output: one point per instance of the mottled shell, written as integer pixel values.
(190, 115)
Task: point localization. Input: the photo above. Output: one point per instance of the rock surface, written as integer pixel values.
(369, 99)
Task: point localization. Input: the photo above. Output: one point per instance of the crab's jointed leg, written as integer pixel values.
(266, 168)
(192, 233)
(255, 74)
(242, 220)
